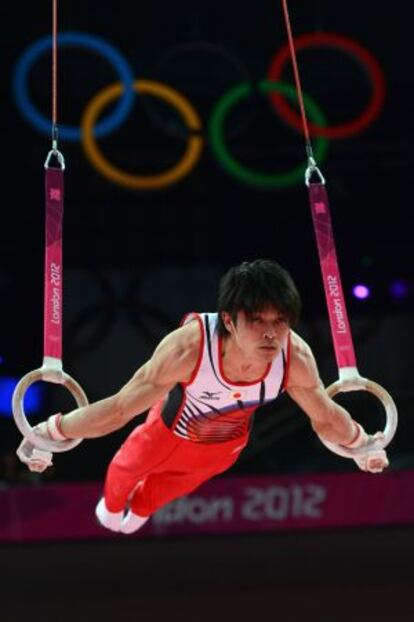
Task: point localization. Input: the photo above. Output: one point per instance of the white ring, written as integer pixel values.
(357, 383)
(58, 377)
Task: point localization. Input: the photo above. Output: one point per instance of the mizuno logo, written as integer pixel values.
(209, 395)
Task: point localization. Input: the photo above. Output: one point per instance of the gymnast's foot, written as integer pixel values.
(132, 522)
(110, 520)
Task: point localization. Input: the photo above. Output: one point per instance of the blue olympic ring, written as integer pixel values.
(67, 132)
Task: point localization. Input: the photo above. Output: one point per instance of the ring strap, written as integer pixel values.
(53, 295)
(338, 317)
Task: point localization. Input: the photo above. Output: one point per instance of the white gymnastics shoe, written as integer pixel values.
(132, 522)
(110, 520)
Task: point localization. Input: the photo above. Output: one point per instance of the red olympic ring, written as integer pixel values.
(330, 39)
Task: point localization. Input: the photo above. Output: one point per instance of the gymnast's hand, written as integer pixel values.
(38, 460)
(375, 459)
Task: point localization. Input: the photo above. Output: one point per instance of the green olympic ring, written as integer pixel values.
(241, 172)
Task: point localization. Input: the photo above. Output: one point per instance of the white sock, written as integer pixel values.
(110, 520)
(132, 522)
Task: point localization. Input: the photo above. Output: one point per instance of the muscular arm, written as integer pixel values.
(173, 361)
(328, 419)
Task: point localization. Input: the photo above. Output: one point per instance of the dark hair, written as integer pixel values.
(254, 285)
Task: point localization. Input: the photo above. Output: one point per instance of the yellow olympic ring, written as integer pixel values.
(137, 182)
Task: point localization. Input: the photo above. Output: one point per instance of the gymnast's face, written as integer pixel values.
(259, 335)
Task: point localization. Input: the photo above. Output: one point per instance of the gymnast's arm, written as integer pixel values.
(328, 419)
(173, 361)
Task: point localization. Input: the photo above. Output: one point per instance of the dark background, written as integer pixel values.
(136, 261)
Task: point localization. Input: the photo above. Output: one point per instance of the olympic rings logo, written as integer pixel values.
(280, 95)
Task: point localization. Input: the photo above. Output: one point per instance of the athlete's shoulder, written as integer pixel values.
(190, 334)
(299, 347)
(176, 356)
(303, 370)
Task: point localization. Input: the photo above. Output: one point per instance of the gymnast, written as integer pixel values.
(202, 386)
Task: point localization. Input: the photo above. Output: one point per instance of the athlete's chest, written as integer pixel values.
(211, 389)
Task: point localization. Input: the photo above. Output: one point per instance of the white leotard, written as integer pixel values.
(211, 408)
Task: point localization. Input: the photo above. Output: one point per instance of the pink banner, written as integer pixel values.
(225, 505)
(335, 300)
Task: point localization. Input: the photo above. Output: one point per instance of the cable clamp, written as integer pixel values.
(55, 153)
(311, 170)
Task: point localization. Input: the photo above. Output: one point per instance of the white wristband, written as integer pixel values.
(54, 428)
(360, 439)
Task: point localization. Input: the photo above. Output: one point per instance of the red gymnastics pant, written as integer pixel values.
(154, 466)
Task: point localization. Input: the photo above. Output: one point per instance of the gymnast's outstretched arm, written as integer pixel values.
(328, 419)
(173, 361)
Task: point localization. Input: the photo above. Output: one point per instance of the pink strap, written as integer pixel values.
(53, 264)
(341, 333)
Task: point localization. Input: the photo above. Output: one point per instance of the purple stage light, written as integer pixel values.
(361, 291)
(399, 289)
